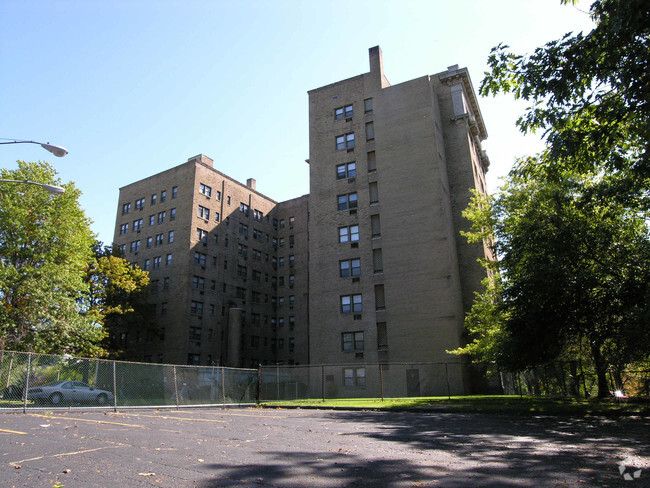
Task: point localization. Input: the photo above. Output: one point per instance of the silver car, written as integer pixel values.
(58, 392)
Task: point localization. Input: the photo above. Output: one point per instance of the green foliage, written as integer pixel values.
(45, 244)
(590, 95)
(116, 295)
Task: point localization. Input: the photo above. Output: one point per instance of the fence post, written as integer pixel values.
(29, 372)
(447, 379)
(223, 387)
(381, 381)
(521, 392)
(175, 386)
(11, 362)
(322, 382)
(114, 387)
(259, 384)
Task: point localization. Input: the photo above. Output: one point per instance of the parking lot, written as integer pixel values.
(298, 448)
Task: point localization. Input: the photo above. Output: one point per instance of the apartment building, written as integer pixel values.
(222, 262)
(391, 168)
(369, 267)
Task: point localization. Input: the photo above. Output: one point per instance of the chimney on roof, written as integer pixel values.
(250, 183)
(201, 158)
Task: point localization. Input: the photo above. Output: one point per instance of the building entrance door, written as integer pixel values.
(413, 382)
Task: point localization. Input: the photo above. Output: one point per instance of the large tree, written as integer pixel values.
(116, 296)
(573, 276)
(45, 245)
(590, 96)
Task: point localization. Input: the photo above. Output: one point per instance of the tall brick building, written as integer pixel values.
(369, 267)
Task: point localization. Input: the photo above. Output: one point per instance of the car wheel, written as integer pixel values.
(102, 399)
(56, 398)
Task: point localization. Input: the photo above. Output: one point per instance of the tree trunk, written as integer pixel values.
(601, 372)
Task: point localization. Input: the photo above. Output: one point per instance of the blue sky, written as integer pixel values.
(135, 87)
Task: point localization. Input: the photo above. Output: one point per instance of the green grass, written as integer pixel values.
(527, 405)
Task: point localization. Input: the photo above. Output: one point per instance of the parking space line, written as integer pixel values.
(15, 463)
(86, 420)
(5, 431)
(167, 417)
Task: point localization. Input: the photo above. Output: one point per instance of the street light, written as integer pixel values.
(58, 151)
(53, 189)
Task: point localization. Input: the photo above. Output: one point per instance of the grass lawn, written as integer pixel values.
(527, 405)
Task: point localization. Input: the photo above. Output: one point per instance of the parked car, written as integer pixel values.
(58, 392)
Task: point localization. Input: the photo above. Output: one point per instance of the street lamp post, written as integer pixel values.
(54, 189)
(58, 151)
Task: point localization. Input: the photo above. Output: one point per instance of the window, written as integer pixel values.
(242, 272)
(154, 285)
(123, 249)
(199, 258)
(351, 304)
(228, 200)
(156, 262)
(198, 282)
(218, 196)
(245, 209)
(161, 217)
(380, 298)
(352, 341)
(349, 234)
(170, 238)
(281, 302)
(205, 190)
(154, 198)
(367, 105)
(377, 261)
(126, 208)
(152, 220)
(257, 275)
(257, 235)
(370, 131)
(160, 239)
(374, 192)
(163, 196)
(292, 281)
(216, 217)
(257, 255)
(174, 192)
(241, 293)
(281, 224)
(147, 264)
(196, 308)
(202, 235)
(139, 204)
(382, 336)
(166, 283)
(354, 377)
(372, 161)
(124, 228)
(137, 225)
(347, 201)
(135, 246)
(292, 260)
(193, 359)
(242, 250)
(292, 241)
(281, 241)
(281, 261)
(292, 221)
(292, 322)
(257, 215)
(172, 214)
(343, 112)
(346, 170)
(195, 334)
(163, 311)
(243, 230)
(374, 225)
(350, 267)
(345, 141)
(204, 212)
(292, 301)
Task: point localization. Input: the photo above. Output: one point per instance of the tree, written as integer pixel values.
(116, 295)
(45, 244)
(574, 275)
(590, 95)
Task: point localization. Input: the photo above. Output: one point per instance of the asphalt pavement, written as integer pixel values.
(211, 448)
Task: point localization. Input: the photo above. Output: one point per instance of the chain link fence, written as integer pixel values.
(399, 380)
(29, 380)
